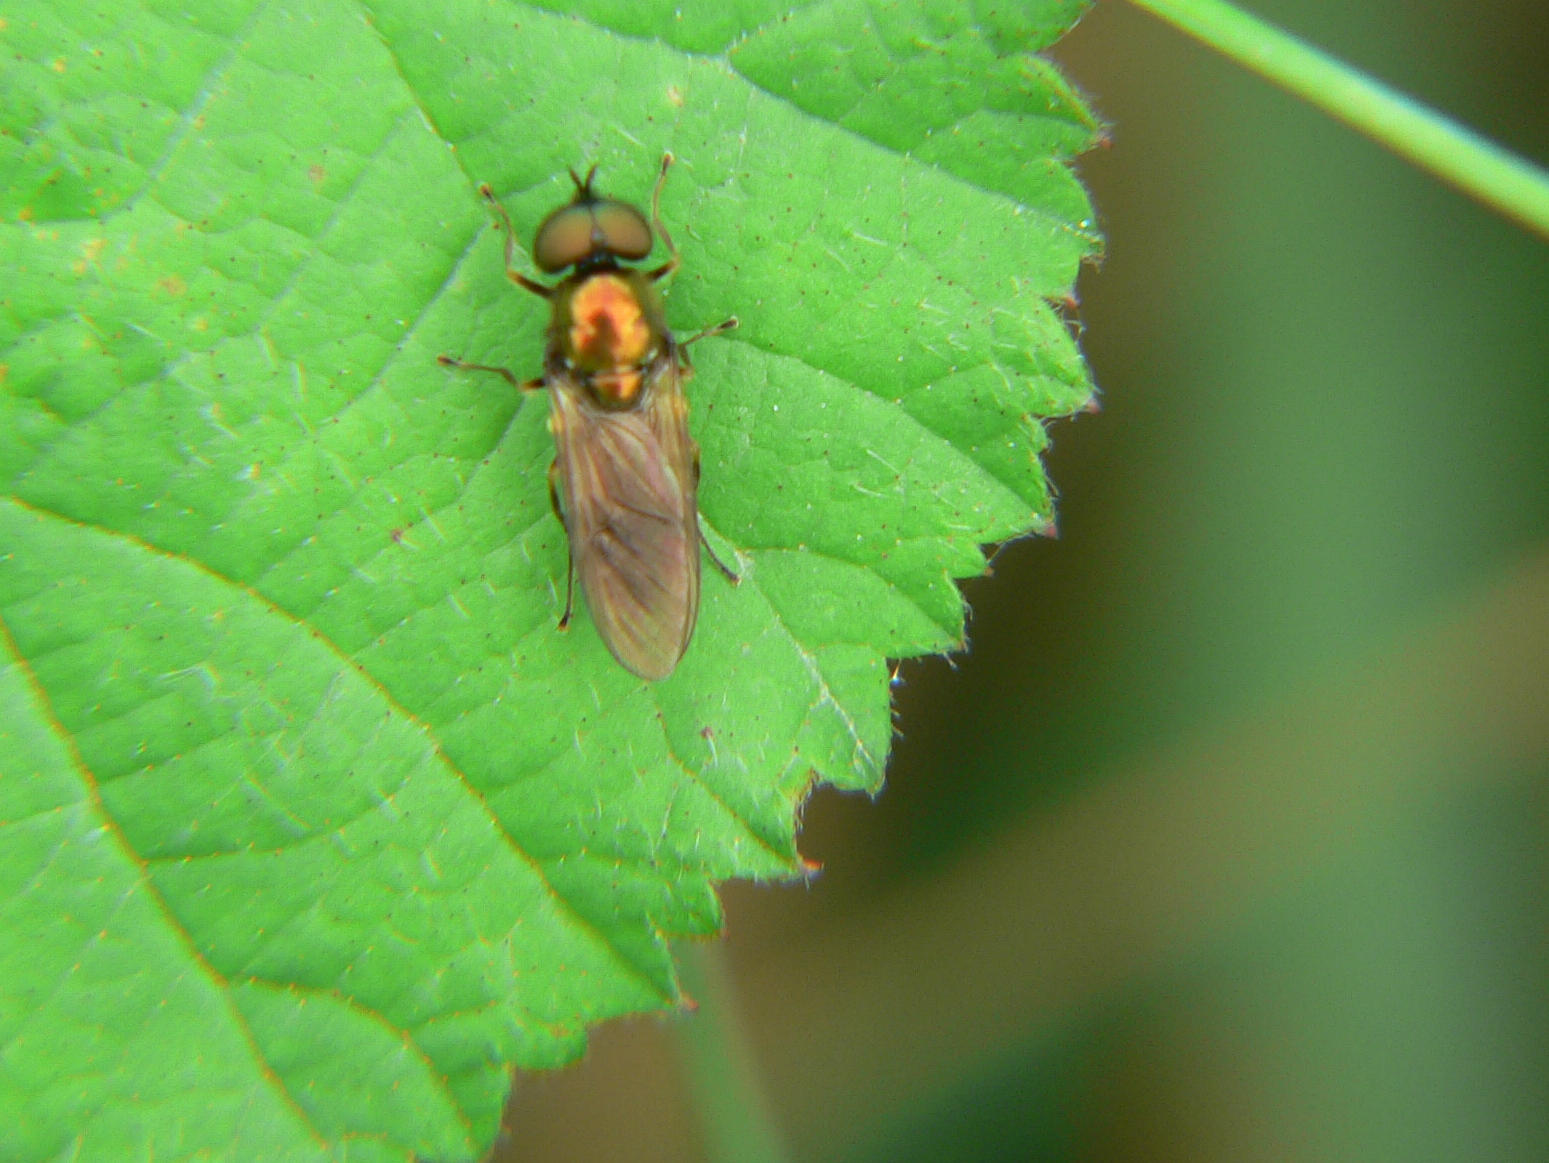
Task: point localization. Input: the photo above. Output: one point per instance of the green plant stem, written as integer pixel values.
(719, 1065)
(1453, 153)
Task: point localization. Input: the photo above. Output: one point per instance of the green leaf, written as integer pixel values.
(311, 822)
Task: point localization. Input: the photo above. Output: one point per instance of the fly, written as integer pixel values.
(625, 477)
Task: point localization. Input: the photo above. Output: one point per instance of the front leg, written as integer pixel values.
(512, 273)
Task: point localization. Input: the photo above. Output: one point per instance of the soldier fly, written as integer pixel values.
(625, 477)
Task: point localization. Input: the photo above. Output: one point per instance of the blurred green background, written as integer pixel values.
(1229, 839)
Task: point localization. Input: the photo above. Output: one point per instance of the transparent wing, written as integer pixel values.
(630, 510)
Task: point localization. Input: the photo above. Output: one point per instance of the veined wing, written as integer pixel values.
(630, 510)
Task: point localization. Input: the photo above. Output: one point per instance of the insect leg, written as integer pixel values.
(671, 264)
(686, 365)
(725, 569)
(504, 372)
(564, 619)
(718, 329)
(512, 273)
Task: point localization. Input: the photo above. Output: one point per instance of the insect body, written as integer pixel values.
(625, 477)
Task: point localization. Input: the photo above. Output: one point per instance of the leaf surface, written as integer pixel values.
(311, 823)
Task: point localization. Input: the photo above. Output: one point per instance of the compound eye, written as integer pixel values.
(590, 229)
(564, 238)
(621, 230)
